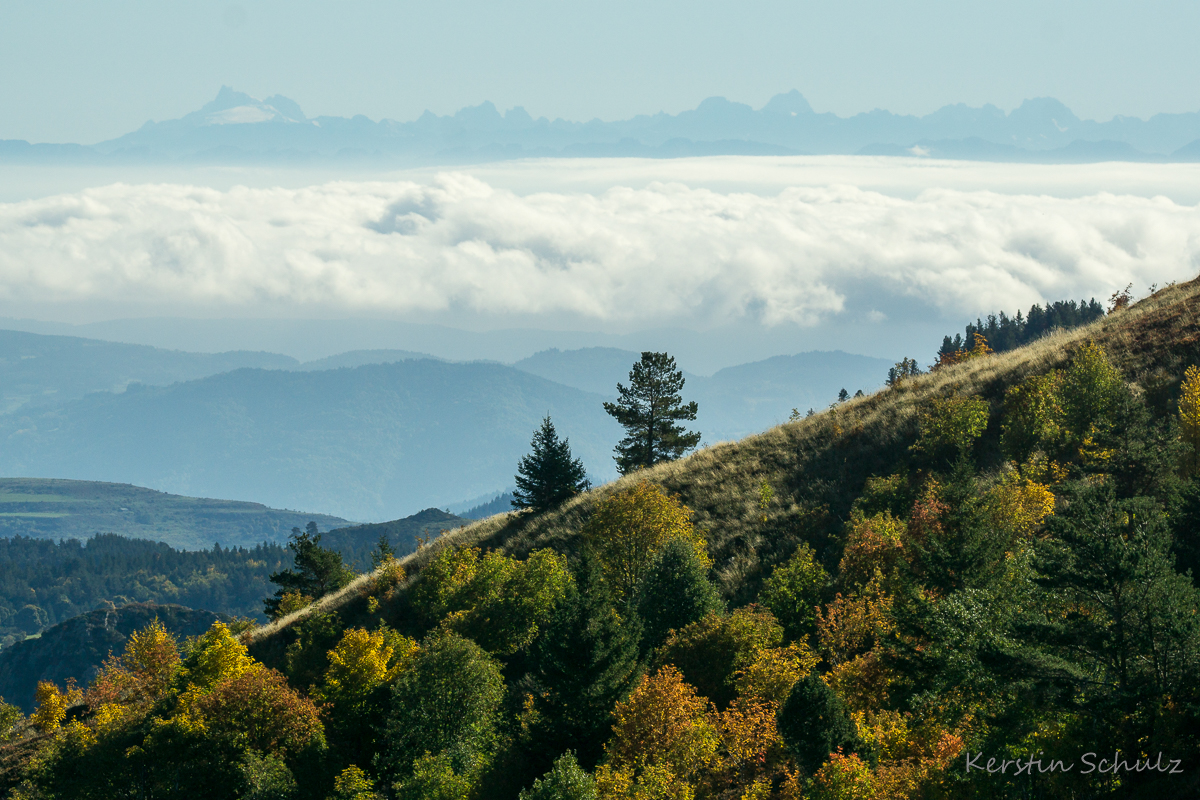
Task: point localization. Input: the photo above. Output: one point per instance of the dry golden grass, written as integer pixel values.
(816, 466)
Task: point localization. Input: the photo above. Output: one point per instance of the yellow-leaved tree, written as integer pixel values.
(1189, 414)
(630, 527)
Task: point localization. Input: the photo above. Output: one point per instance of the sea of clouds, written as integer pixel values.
(662, 252)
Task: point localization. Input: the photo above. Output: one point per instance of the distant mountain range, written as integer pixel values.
(237, 128)
(368, 435)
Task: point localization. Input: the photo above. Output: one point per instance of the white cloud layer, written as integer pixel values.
(664, 253)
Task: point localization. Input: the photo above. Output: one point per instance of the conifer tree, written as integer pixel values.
(318, 570)
(814, 722)
(675, 592)
(585, 661)
(548, 475)
(649, 409)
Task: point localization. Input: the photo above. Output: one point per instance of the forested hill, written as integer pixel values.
(75, 649)
(47, 508)
(990, 562)
(43, 583)
(953, 520)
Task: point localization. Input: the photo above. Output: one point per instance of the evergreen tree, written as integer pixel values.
(548, 476)
(675, 592)
(649, 409)
(843, 395)
(318, 570)
(585, 661)
(383, 552)
(813, 723)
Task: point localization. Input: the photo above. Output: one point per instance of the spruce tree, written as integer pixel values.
(814, 722)
(548, 476)
(649, 409)
(584, 662)
(675, 592)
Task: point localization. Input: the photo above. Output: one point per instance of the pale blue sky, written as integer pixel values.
(87, 71)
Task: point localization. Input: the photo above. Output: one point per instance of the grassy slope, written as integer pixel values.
(816, 466)
(62, 509)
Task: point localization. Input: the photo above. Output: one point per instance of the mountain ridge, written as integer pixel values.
(236, 127)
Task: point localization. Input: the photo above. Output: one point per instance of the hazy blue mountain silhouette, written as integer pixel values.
(374, 442)
(236, 127)
(368, 435)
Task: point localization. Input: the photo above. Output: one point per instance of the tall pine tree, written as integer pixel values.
(548, 475)
(649, 409)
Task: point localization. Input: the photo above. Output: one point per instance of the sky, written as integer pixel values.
(86, 72)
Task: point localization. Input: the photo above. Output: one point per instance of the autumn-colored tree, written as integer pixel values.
(215, 656)
(852, 625)
(909, 752)
(874, 546)
(663, 724)
(1018, 505)
(949, 358)
(951, 425)
(257, 710)
(142, 674)
(711, 652)
(353, 784)
(52, 704)
(794, 590)
(1091, 388)
(629, 528)
(1189, 415)
(925, 520)
(1033, 416)
(494, 599)
(845, 777)
(354, 689)
(769, 678)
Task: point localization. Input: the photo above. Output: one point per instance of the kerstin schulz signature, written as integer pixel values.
(1088, 763)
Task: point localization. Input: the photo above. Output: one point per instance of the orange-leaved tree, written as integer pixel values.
(664, 733)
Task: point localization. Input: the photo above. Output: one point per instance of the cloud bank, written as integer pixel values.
(663, 254)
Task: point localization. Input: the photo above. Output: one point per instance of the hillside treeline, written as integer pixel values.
(43, 582)
(1005, 608)
(1008, 333)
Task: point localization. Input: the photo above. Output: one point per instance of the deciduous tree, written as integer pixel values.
(628, 530)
